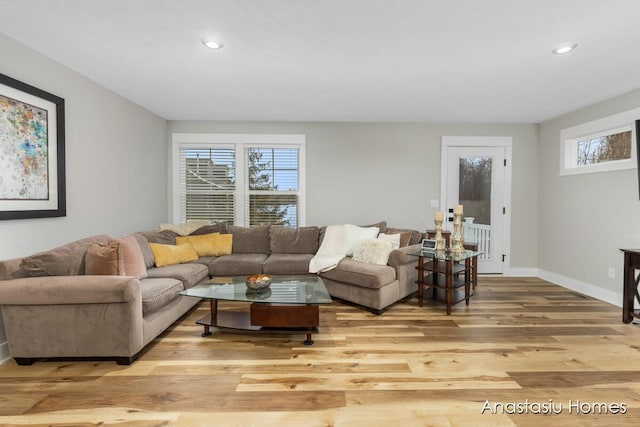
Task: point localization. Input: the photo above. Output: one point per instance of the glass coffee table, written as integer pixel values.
(291, 304)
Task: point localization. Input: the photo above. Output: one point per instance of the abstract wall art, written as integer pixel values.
(32, 152)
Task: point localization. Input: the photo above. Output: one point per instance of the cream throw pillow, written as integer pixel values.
(393, 238)
(374, 251)
(354, 234)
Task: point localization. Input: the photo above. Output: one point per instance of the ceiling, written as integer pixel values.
(342, 60)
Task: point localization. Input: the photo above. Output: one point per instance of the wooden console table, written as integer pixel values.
(630, 291)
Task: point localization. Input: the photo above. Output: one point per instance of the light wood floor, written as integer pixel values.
(520, 340)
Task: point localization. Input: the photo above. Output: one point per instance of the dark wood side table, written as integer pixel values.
(447, 273)
(630, 291)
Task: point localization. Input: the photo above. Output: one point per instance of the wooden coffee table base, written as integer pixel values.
(265, 318)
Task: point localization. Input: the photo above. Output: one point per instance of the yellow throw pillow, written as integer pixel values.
(172, 254)
(214, 244)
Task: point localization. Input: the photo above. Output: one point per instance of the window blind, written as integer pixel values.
(273, 185)
(208, 184)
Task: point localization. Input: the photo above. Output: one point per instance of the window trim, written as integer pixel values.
(609, 125)
(240, 142)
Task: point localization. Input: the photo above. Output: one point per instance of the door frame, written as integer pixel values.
(483, 141)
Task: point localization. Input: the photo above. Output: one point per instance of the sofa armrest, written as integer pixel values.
(69, 290)
(401, 256)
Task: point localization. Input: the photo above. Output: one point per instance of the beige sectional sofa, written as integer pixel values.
(52, 309)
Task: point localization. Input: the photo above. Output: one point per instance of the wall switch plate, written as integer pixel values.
(611, 273)
(435, 203)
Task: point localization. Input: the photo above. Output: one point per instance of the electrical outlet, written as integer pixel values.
(611, 273)
(435, 203)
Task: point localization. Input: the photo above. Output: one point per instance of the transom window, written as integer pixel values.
(239, 179)
(603, 145)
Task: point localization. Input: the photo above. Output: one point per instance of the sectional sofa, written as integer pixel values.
(68, 301)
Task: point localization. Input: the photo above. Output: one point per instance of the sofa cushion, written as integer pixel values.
(219, 227)
(132, 256)
(158, 292)
(416, 236)
(382, 226)
(287, 264)
(214, 244)
(104, 260)
(173, 254)
(65, 260)
(189, 274)
(185, 228)
(293, 240)
(145, 249)
(361, 274)
(166, 237)
(252, 240)
(237, 265)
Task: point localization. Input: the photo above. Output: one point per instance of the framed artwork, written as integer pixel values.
(32, 152)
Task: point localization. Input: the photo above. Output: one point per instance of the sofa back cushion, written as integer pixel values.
(298, 240)
(164, 237)
(416, 236)
(65, 260)
(146, 250)
(212, 228)
(252, 240)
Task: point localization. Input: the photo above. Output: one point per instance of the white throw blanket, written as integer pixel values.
(331, 251)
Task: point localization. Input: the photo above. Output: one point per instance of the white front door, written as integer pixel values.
(474, 177)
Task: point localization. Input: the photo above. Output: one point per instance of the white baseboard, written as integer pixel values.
(613, 298)
(4, 352)
(521, 272)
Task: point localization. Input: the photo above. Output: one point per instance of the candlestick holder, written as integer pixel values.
(457, 239)
(440, 242)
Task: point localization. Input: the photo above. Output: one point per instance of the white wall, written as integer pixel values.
(116, 161)
(586, 219)
(366, 172)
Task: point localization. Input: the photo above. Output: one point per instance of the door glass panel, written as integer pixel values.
(475, 196)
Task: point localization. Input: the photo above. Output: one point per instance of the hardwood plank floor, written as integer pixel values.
(522, 347)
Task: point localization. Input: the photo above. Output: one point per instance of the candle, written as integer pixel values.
(438, 216)
(457, 209)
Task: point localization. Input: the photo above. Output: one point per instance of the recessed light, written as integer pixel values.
(212, 44)
(564, 48)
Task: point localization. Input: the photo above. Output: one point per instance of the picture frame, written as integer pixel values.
(32, 152)
(428, 245)
(637, 129)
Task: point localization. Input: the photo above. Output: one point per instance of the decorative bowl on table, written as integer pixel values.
(258, 282)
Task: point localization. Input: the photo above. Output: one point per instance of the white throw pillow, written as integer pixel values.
(375, 251)
(393, 238)
(354, 234)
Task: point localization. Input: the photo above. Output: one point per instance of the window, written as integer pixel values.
(603, 145)
(239, 179)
